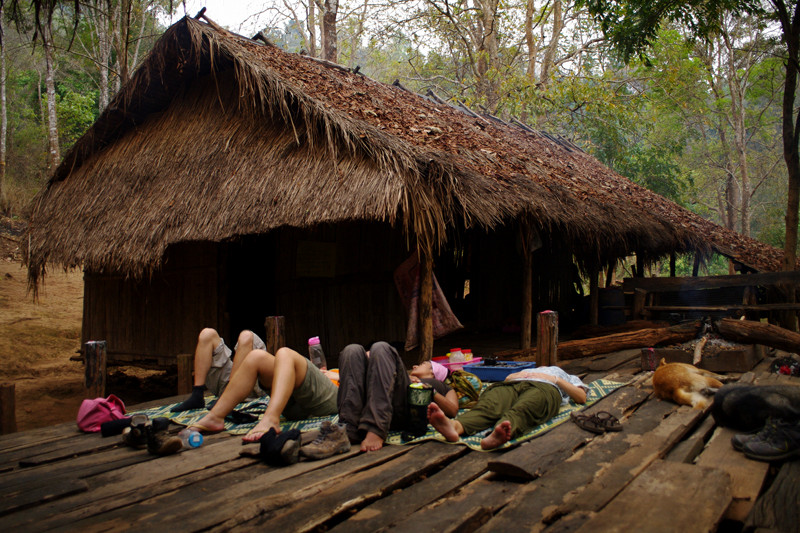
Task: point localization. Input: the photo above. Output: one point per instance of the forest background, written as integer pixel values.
(695, 114)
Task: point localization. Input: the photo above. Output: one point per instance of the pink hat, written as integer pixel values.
(439, 371)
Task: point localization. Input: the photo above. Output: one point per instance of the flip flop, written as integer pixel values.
(598, 423)
(204, 430)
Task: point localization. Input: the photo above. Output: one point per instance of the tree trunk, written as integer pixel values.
(123, 41)
(330, 9)
(50, 84)
(3, 119)
(530, 40)
(312, 29)
(791, 37)
(489, 55)
(103, 26)
(550, 51)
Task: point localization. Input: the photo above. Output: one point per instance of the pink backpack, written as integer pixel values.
(94, 412)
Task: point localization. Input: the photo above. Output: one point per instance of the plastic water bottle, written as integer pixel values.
(316, 354)
(191, 438)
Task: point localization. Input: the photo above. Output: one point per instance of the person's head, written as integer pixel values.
(429, 369)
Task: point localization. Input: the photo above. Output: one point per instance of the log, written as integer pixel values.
(95, 369)
(275, 327)
(613, 343)
(751, 332)
(547, 338)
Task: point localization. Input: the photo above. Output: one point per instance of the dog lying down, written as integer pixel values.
(685, 384)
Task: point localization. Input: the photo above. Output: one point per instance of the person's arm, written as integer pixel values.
(448, 403)
(578, 394)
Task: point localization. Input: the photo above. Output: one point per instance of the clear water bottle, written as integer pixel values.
(191, 438)
(316, 354)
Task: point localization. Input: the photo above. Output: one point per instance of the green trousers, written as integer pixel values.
(526, 404)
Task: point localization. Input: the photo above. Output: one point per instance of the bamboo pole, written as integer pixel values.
(425, 304)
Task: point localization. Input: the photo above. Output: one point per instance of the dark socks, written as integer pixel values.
(195, 401)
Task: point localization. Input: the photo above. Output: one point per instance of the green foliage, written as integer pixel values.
(76, 112)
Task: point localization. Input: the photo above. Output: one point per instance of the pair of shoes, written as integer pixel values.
(600, 422)
(160, 442)
(331, 440)
(778, 440)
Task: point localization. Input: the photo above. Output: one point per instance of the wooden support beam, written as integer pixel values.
(425, 304)
(547, 338)
(8, 412)
(185, 369)
(95, 369)
(639, 297)
(696, 265)
(672, 260)
(527, 299)
(594, 297)
(275, 327)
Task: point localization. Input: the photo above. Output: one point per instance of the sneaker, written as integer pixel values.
(738, 441)
(332, 439)
(777, 441)
(135, 435)
(161, 442)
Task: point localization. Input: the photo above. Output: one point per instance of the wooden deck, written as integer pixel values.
(670, 469)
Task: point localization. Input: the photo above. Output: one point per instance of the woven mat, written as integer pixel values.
(597, 390)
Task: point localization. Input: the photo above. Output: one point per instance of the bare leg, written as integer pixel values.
(207, 341)
(450, 429)
(238, 388)
(286, 373)
(371, 442)
(498, 437)
(244, 346)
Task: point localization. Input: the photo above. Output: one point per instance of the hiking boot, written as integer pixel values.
(738, 441)
(135, 435)
(332, 439)
(159, 442)
(777, 441)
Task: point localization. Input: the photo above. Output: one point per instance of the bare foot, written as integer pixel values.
(210, 423)
(371, 442)
(263, 426)
(498, 437)
(441, 423)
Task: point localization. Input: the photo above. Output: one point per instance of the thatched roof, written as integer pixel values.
(218, 136)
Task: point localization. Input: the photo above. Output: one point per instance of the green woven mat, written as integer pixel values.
(254, 407)
(597, 389)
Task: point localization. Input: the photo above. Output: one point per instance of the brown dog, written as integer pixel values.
(685, 384)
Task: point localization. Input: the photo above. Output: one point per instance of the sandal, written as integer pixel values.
(599, 422)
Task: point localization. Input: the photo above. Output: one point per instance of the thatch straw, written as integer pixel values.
(217, 136)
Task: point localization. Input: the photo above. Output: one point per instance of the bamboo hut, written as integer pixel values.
(230, 180)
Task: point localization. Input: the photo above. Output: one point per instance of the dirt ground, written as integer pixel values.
(40, 337)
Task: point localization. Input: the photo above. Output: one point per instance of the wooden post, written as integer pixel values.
(95, 369)
(594, 297)
(276, 333)
(425, 304)
(696, 265)
(672, 260)
(547, 338)
(527, 300)
(639, 297)
(8, 413)
(610, 275)
(185, 368)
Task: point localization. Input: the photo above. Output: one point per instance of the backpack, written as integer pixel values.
(92, 413)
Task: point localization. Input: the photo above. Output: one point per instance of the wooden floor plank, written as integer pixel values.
(778, 509)
(353, 492)
(387, 511)
(643, 452)
(747, 476)
(666, 497)
(530, 504)
(533, 458)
